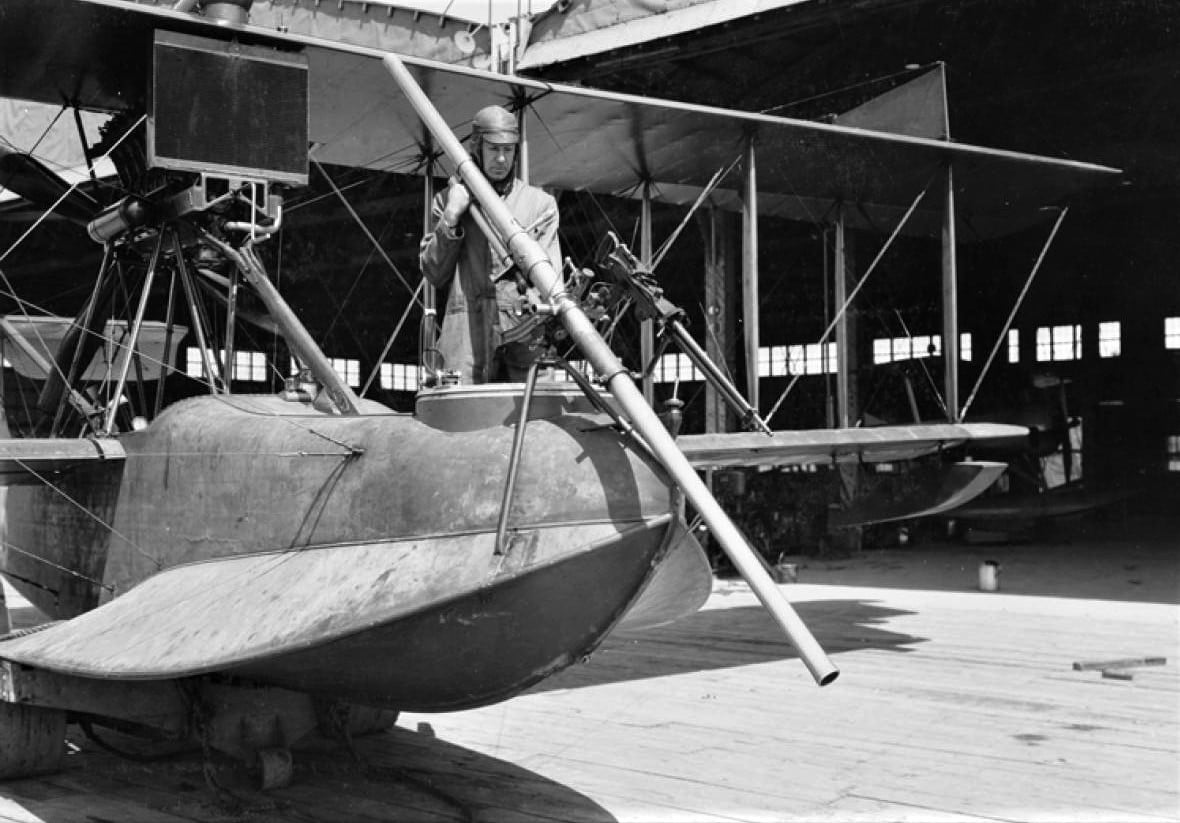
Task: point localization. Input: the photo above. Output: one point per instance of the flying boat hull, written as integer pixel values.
(356, 557)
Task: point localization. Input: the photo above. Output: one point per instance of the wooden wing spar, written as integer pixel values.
(578, 138)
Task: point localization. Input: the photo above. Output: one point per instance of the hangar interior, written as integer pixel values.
(1093, 82)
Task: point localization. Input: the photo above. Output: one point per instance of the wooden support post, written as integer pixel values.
(647, 344)
(750, 299)
(32, 740)
(849, 474)
(839, 298)
(720, 314)
(950, 301)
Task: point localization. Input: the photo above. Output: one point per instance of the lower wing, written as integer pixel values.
(826, 446)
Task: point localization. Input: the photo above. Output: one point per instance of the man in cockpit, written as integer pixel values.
(487, 332)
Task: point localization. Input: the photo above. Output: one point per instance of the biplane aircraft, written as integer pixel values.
(1044, 477)
(232, 567)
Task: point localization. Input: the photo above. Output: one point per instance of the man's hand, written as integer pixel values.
(458, 201)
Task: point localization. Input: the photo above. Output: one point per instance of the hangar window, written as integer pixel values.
(248, 365)
(1172, 332)
(892, 349)
(399, 376)
(193, 366)
(772, 361)
(1013, 346)
(348, 369)
(1059, 343)
(812, 358)
(1110, 339)
(676, 367)
(1174, 452)
(881, 351)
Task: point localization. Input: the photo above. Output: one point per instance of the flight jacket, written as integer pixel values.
(485, 300)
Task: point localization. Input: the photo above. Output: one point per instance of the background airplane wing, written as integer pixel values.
(870, 445)
(32, 461)
(929, 490)
(578, 138)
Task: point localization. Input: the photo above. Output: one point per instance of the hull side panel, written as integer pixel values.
(212, 478)
(66, 525)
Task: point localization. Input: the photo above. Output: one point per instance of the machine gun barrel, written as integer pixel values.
(624, 268)
(749, 415)
(535, 263)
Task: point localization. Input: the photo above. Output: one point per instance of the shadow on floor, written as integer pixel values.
(727, 637)
(402, 775)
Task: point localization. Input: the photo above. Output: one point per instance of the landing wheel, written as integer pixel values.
(32, 740)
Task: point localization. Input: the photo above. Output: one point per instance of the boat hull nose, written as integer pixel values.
(487, 644)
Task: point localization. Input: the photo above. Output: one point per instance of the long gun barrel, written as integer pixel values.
(534, 262)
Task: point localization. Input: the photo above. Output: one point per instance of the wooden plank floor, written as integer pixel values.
(952, 705)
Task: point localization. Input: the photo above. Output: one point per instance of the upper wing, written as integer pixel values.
(579, 138)
(871, 445)
(30, 461)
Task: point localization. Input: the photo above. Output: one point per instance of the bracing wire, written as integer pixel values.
(389, 343)
(717, 177)
(66, 194)
(44, 480)
(1012, 314)
(925, 371)
(851, 295)
(363, 269)
(365, 229)
(10, 546)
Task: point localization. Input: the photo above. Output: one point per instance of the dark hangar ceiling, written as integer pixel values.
(1097, 81)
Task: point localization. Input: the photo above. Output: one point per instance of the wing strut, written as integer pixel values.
(534, 261)
(1003, 335)
(297, 337)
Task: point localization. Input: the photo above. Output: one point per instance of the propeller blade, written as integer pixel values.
(28, 177)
